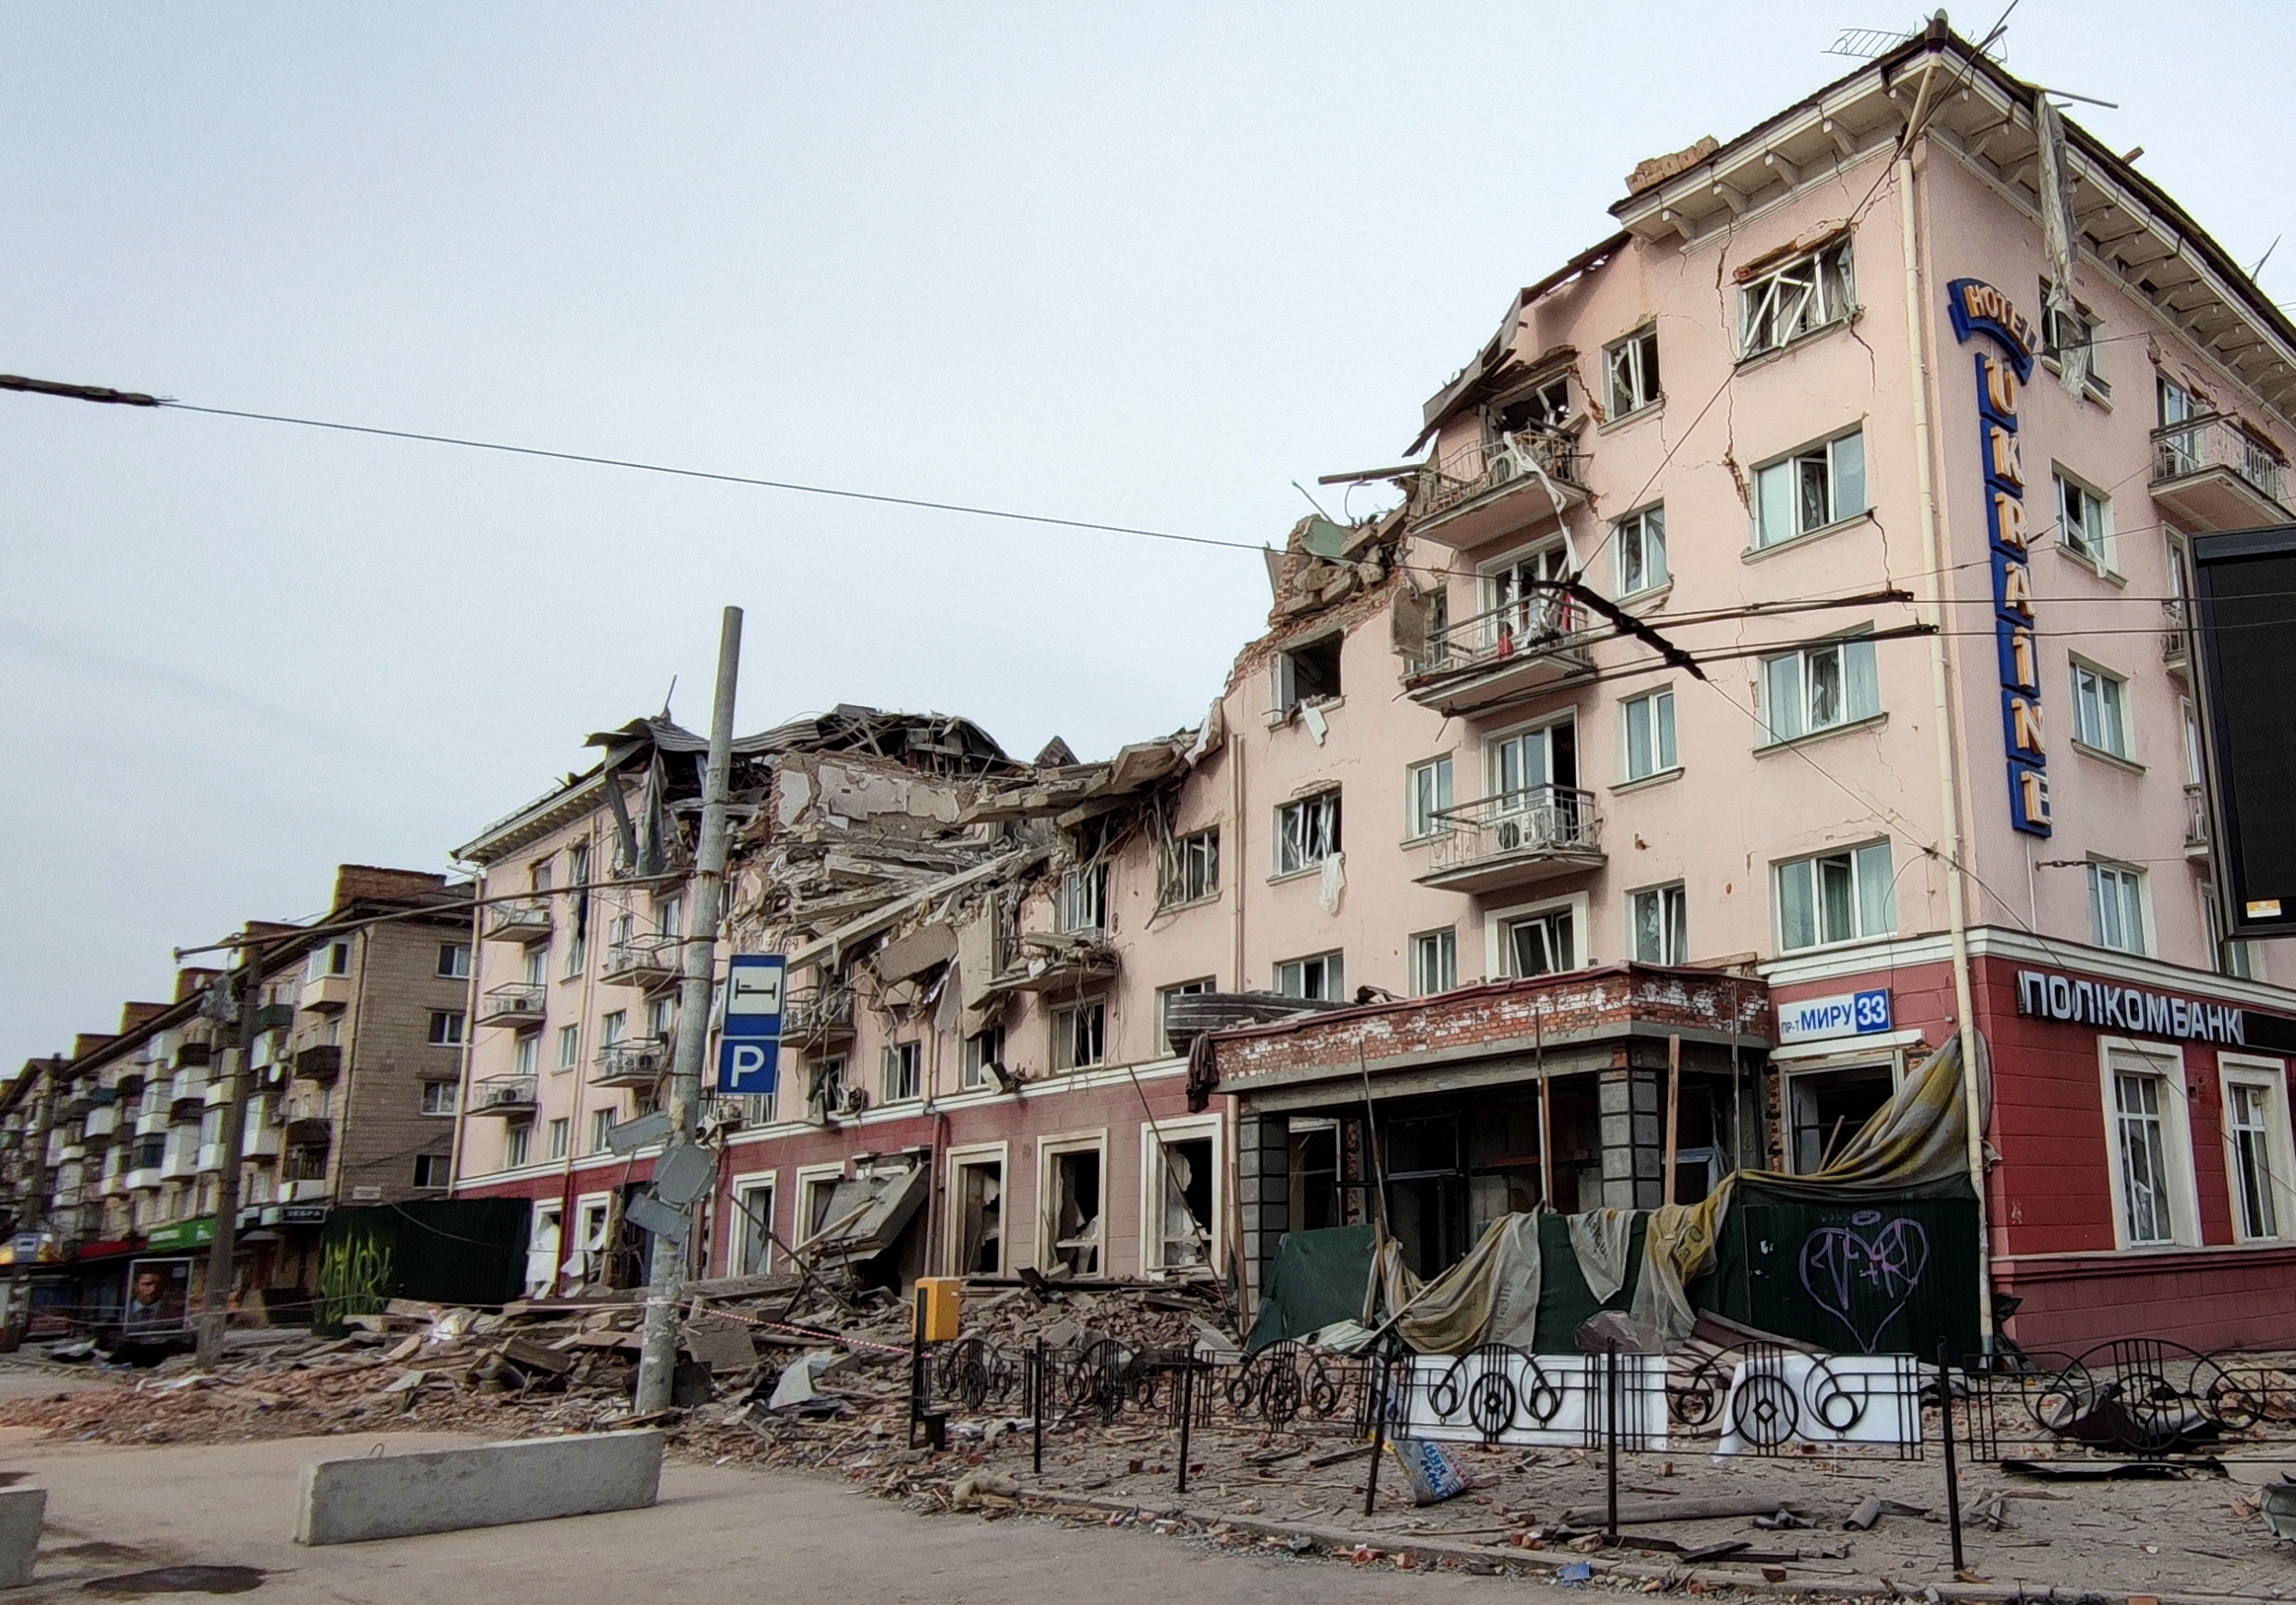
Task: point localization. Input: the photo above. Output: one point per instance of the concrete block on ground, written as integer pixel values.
(391, 1496)
(21, 1512)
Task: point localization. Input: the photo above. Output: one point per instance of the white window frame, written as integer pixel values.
(585, 1204)
(2244, 1070)
(1188, 1129)
(557, 1138)
(2109, 730)
(1663, 739)
(953, 1227)
(1081, 904)
(1062, 1018)
(1444, 945)
(1319, 819)
(1847, 651)
(2102, 871)
(1048, 1151)
(741, 1238)
(1861, 919)
(518, 1144)
(1793, 464)
(2092, 547)
(453, 1099)
(802, 1181)
(1809, 292)
(1674, 895)
(449, 1029)
(1164, 995)
(526, 1053)
(898, 1062)
(2166, 1061)
(1428, 786)
(1328, 959)
(569, 1048)
(1499, 947)
(1632, 376)
(1639, 551)
(454, 961)
(602, 1120)
(973, 1073)
(1191, 869)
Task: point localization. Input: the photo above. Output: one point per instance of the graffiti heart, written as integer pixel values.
(1865, 1278)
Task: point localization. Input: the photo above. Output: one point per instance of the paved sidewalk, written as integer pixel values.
(719, 1533)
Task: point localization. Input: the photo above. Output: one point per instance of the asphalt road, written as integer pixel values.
(719, 1533)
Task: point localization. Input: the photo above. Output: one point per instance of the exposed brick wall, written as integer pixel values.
(368, 883)
(379, 1123)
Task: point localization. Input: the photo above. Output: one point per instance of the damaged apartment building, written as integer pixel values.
(1583, 828)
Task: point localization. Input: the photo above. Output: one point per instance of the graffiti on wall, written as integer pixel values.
(1863, 1275)
(355, 1272)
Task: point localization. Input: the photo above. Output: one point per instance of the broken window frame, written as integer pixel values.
(1191, 869)
(1081, 908)
(1811, 488)
(963, 1256)
(750, 1251)
(1323, 685)
(1806, 294)
(1558, 933)
(1080, 1035)
(1658, 925)
(1639, 542)
(1824, 686)
(825, 1085)
(1094, 1243)
(901, 1072)
(981, 1050)
(1630, 379)
(1315, 976)
(1157, 1143)
(2063, 331)
(1307, 831)
(2084, 522)
(1164, 995)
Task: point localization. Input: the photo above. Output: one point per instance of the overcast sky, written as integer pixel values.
(1145, 265)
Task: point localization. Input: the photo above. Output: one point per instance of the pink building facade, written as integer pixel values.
(1555, 852)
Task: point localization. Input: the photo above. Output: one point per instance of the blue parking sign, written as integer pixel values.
(750, 1051)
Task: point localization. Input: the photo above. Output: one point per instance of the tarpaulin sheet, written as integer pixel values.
(1319, 1278)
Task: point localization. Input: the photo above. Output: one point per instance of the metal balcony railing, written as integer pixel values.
(2175, 619)
(503, 1095)
(2196, 816)
(517, 1004)
(817, 1015)
(1486, 465)
(2217, 441)
(637, 1061)
(323, 1062)
(1546, 624)
(643, 961)
(528, 921)
(1540, 819)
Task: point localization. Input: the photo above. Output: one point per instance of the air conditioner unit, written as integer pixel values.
(1509, 834)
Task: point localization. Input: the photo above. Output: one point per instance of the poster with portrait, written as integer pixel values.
(159, 1298)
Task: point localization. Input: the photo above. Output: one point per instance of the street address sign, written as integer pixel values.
(1844, 1014)
(749, 1050)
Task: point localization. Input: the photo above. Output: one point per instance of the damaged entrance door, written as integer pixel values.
(979, 1212)
(1181, 1172)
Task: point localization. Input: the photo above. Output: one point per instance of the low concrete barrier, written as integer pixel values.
(391, 1496)
(21, 1512)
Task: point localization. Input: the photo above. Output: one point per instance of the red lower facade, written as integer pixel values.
(2140, 1166)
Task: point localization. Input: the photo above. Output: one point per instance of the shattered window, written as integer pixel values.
(1791, 300)
(1192, 869)
(824, 1088)
(1640, 543)
(1080, 1035)
(983, 1049)
(1833, 683)
(1184, 1195)
(1307, 833)
(1658, 921)
(1633, 367)
(1836, 897)
(977, 1214)
(1810, 490)
(904, 1072)
(1320, 978)
(1075, 1217)
(1164, 995)
(1541, 945)
(1307, 673)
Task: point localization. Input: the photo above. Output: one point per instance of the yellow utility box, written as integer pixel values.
(941, 1305)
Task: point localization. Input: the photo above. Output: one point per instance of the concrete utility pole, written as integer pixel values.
(212, 1313)
(657, 1361)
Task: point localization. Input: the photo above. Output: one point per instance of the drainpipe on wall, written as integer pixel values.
(1948, 773)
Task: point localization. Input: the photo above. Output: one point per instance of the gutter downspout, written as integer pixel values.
(1948, 773)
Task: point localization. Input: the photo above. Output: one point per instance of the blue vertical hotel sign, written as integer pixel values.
(1979, 309)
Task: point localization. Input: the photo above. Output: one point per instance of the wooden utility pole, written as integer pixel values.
(1674, 1106)
(657, 1359)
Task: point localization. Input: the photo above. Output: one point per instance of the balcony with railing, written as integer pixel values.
(636, 1062)
(1059, 961)
(511, 1097)
(2213, 474)
(818, 1017)
(1532, 645)
(517, 1006)
(526, 922)
(320, 1063)
(644, 961)
(1516, 839)
(2175, 631)
(1483, 490)
(2196, 818)
(303, 1165)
